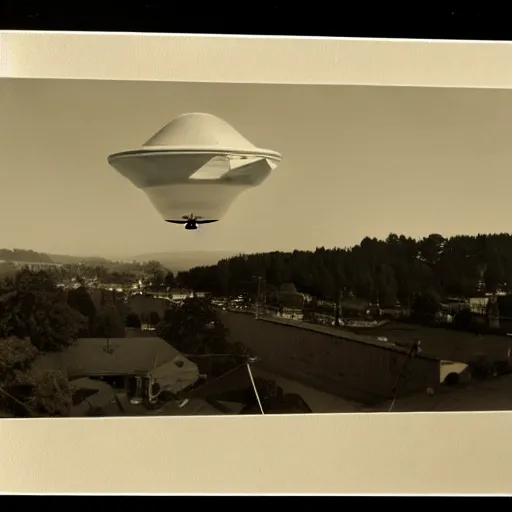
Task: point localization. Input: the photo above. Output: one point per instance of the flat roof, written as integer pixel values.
(343, 334)
(493, 394)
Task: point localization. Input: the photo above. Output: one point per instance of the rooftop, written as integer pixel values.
(447, 344)
(195, 407)
(88, 357)
(342, 334)
(494, 394)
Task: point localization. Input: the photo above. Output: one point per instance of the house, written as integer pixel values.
(478, 305)
(397, 312)
(179, 295)
(355, 307)
(36, 266)
(142, 367)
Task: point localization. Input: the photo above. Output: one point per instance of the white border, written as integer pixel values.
(238, 59)
(436, 453)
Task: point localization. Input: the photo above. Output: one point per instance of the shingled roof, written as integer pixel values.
(129, 356)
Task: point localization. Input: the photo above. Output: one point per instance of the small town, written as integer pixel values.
(302, 332)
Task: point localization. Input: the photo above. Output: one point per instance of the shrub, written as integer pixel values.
(452, 379)
(52, 394)
(480, 367)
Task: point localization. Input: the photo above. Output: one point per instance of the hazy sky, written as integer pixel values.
(358, 161)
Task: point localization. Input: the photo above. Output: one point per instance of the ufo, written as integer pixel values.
(194, 168)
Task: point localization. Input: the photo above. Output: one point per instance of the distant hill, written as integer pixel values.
(29, 256)
(70, 260)
(185, 260)
(25, 255)
(175, 261)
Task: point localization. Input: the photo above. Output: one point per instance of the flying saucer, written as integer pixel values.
(194, 168)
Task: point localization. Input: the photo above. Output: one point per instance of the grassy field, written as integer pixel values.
(445, 343)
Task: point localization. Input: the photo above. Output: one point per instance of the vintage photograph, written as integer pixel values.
(178, 249)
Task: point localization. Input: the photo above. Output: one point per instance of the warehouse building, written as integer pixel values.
(355, 367)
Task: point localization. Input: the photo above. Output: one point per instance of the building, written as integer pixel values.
(34, 266)
(355, 367)
(179, 295)
(478, 305)
(140, 367)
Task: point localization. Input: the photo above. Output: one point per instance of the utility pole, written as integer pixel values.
(337, 311)
(257, 315)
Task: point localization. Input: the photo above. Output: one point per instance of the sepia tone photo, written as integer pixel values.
(172, 249)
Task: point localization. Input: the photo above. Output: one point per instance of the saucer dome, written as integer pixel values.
(199, 131)
(196, 165)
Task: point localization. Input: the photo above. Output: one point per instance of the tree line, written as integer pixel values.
(399, 269)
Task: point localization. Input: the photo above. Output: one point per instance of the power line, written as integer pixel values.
(19, 402)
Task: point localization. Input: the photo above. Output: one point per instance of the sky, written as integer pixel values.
(357, 161)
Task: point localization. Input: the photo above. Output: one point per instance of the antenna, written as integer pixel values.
(415, 349)
(152, 381)
(254, 384)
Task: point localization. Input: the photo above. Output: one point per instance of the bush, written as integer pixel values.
(502, 367)
(452, 379)
(52, 394)
(133, 321)
(480, 367)
(16, 355)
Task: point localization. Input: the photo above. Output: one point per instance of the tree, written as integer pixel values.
(223, 277)
(431, 249)
(154, 318)
(196, 331)
(463, 320)
(169, 280)
(169, 314)
(55, 325)
(386, 285)
(109, 323)
(16, 356)
(27, 393)
(133, 321)
(505, 306)
(80, 300)
(52, 394)
(425, 306)
(494, 274)
(32, 306)
(156, 274)
(397, 268)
